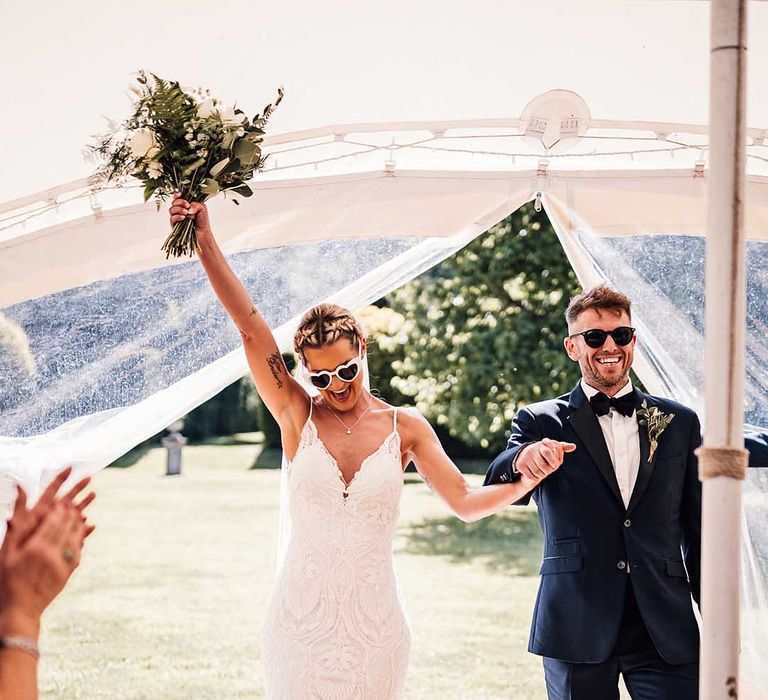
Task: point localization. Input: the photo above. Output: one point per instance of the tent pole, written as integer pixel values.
(722, 461)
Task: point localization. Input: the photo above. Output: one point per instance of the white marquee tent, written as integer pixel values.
(405, 132)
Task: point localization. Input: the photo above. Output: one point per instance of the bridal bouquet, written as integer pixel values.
(185, 141)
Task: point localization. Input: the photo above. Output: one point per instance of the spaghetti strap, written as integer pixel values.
(311, 404)
(394, 424)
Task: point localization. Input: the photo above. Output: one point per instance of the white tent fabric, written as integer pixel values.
(343, 62)
(282, 212)
(286, 212)
(399, 140)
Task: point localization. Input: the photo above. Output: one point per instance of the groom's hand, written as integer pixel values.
(539, 459)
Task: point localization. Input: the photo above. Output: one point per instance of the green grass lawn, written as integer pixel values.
(169, 599)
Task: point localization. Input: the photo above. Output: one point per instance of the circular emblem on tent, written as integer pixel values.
(555, 121)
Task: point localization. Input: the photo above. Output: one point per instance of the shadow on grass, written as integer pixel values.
(268, 458)
(508, 543)
(132, 456)
(227, 440)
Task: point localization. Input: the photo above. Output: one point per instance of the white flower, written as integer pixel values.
(228, 116)
(206, 109)
(154, 169)
(141, 143)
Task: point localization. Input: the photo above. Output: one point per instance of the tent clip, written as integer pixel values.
(542, 177)
(98, 213)
(389, 163)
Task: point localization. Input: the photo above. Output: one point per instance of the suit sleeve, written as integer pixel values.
(502, 470)
(691, 513)
(757, 444)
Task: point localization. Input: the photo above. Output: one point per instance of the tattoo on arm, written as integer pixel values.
(276, 366)
(253, 311)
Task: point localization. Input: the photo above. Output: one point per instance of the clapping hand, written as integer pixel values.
(25, 520)
(42, 548)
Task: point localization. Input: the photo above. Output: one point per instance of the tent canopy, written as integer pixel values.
(345, 62)
(403, 135)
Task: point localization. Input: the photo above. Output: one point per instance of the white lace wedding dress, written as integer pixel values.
(335, 628)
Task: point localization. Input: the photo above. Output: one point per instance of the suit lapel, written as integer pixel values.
(646, 467)
(587, 427)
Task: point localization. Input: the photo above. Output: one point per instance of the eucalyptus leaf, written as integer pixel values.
(228, 140)
(247, 152)
(209, 186)
(232, 167)
(243, 190)
(216, 169)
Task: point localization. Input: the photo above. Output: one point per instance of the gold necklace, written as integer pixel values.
(348, 428)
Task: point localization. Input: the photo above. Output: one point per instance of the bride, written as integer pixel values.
(335, 628)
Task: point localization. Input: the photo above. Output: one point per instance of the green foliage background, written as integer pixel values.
(235, 409)
(481, 334)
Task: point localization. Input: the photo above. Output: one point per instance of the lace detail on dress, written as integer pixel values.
(336, 628)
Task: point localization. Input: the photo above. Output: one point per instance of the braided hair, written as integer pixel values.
(325, 324)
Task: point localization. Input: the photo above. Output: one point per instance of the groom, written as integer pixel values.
(621, 520)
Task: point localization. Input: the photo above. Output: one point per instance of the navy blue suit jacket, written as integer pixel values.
(591, 538)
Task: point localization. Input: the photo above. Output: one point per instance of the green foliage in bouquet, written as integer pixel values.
(180, 141)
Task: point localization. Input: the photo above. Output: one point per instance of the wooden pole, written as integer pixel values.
(725, 330)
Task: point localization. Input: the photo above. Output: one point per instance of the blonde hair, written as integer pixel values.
(325, 324)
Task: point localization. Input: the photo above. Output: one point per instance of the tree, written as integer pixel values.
(484, 330)
(387, 345)
(235, 409)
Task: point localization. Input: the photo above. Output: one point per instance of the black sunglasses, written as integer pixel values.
(595, 337)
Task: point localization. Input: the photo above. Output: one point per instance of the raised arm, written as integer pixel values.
(467, 503)
(283, 396)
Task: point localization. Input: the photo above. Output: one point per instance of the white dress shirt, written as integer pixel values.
(622, 436)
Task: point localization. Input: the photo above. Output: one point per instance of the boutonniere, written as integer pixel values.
(656, 422)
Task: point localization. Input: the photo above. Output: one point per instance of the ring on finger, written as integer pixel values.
(69, 555)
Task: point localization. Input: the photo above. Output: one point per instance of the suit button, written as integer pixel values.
(627, 522)
(621, 565)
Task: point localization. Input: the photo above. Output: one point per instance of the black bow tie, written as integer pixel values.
(601, 404)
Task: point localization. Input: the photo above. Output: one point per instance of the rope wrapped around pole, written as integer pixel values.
(722, 461)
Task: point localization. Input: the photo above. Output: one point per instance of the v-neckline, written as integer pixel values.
(335, 463)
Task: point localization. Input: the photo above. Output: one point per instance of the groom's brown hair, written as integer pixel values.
(600, 298)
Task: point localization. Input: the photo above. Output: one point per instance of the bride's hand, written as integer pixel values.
(182, 209)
